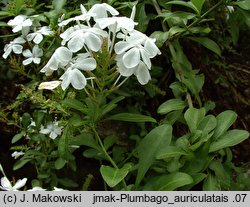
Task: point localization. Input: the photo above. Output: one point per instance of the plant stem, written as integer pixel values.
(107, 155)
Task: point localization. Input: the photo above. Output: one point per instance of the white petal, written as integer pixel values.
(131, 58)
(125, 71)
(121, 47)
(37, 188)
(36, 60)
(27, 23)
(27, 53)
(17, 49)
(27, 61)
(30, 36)
(63, 55)
(53, 135)
(142, 74)
(93, 42)
(5, 183)
(87, 64)
(19, 40)
(20, 183)
(37, 52)
(38, 38)
(49, 85)
(7, 52)
(76, 43)
(65, 80)
(78, 81)
(152, 49)
(145, 57)
(17, 28)
(44, 131)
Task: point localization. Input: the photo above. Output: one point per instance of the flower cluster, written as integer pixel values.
(85, 34)
(31, 31)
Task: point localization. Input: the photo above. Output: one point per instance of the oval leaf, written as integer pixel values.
(208, 43)
(172, 181)
(193, 117)
(149, 147)
(113, 176)
(229, 139)
(171, 105)
(224, 121)
(169, 151)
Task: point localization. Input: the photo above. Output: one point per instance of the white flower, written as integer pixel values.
(141, 71)
(14, 46)
(49, 85)
(80, 36)
(73, 77)
(17, 154)
(101, 11)
(59, 189)
(37, 188)
(73, 74)
(84, 16)
(60, 58)
(6, 184)
(52, 129)
(119, 22)
(20, 22)
(137, 46)
(230, 9)
(33, 56)
(37, 36)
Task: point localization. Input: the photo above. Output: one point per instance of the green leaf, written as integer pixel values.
(131, 117)
(111, 105)
(26, 119)
(193, 117)
(243, 4)
(17, 137)
(75, 104)
(207, 124)
(58, 4)
(85, 139)
(149, 147)
(171, 105)
(224, 121)
(222, 175)
(186, 4)
(161, 37)
(20, 163)
(210, 183)
(113, 176)
(208, 43)
(169, 151)
(109, 141)
(198, 4)
(63, 144)
(59, 163)
(171, 181)
(229, 139)
(67, 182)
(197, 178)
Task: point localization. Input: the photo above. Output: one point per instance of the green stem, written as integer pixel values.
(107, 155)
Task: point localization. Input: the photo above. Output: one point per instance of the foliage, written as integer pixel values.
(102, 57)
